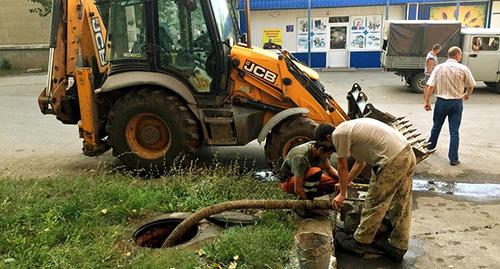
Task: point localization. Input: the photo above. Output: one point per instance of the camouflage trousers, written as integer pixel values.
(390, 191)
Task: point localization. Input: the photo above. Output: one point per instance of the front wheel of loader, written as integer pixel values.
(148, 129)
(288, 134)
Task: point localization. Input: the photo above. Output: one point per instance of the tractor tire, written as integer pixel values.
(418, 83)
(283, 137)
(148, 129)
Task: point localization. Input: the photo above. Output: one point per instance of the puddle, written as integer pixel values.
(474, 191)
(265, 175)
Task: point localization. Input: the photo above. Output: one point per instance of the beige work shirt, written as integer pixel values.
(450, 79)
(368, 140)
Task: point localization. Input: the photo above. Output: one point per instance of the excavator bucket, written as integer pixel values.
(360, 108)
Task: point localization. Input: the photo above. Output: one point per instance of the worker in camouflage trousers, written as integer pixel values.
(372, 142)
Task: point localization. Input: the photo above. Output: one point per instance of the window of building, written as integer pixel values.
(338, 19)
(485, 43)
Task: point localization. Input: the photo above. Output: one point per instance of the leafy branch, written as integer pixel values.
(43, 9)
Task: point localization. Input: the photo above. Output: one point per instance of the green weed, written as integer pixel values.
(87, 221)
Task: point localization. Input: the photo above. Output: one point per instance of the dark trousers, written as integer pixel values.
(453, 110)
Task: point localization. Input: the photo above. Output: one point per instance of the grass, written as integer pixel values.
(86, 221)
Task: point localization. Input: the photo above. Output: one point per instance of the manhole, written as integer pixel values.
(153, 234)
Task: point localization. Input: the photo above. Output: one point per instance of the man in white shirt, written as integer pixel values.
(448, 81)
(372, 142)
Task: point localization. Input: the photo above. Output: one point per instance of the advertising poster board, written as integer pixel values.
(272, 38)
(319, 34)
(366, 32)
(470, 15)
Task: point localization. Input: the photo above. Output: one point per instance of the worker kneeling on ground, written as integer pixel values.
(372, 142)
(302, 171)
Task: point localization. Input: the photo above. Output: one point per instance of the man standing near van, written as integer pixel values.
(448, 81)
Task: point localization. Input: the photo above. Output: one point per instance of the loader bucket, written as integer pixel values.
(358, 107)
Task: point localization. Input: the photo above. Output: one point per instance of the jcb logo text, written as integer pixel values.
(260, 71)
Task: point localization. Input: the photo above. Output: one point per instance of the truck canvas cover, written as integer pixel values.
(417, 38)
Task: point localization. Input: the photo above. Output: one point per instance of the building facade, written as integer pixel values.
(347, 34)
(24, 36)
(495, 14)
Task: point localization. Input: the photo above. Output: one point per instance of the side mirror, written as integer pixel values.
(190, 5)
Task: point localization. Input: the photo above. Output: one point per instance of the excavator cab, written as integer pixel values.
(185, 38)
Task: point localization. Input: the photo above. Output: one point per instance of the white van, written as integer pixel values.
(481, 53)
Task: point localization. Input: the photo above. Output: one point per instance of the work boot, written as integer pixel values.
(391, 251)
(350, 245)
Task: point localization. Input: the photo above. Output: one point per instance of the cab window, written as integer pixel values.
(128, 38)
(485, 43)
(184, 41)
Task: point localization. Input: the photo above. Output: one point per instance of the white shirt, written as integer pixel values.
(450, 79)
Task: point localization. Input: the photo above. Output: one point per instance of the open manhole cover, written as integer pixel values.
(153, 234)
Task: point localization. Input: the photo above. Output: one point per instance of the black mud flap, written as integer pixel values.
(358, 107)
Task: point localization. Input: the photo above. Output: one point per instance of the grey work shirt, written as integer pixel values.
(298, 160)
(368, 140)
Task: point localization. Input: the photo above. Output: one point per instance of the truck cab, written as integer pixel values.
(481, 53)
(407, 42)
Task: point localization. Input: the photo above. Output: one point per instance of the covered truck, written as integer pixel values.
(406, 43)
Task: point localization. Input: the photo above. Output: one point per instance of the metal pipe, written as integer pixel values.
(247, 15)
(457, 14)
(387, 7)
(309, 33)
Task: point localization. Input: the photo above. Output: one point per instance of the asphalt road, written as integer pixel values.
(35, 145)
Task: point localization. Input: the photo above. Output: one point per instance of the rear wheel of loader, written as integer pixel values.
(148, 129)
(418, 83)
(290, 133)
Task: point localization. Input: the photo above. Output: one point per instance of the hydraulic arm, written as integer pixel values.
(77, 62)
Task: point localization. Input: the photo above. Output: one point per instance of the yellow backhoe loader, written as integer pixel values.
(155, 79)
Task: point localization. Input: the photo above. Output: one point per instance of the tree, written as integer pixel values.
(43, 9)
